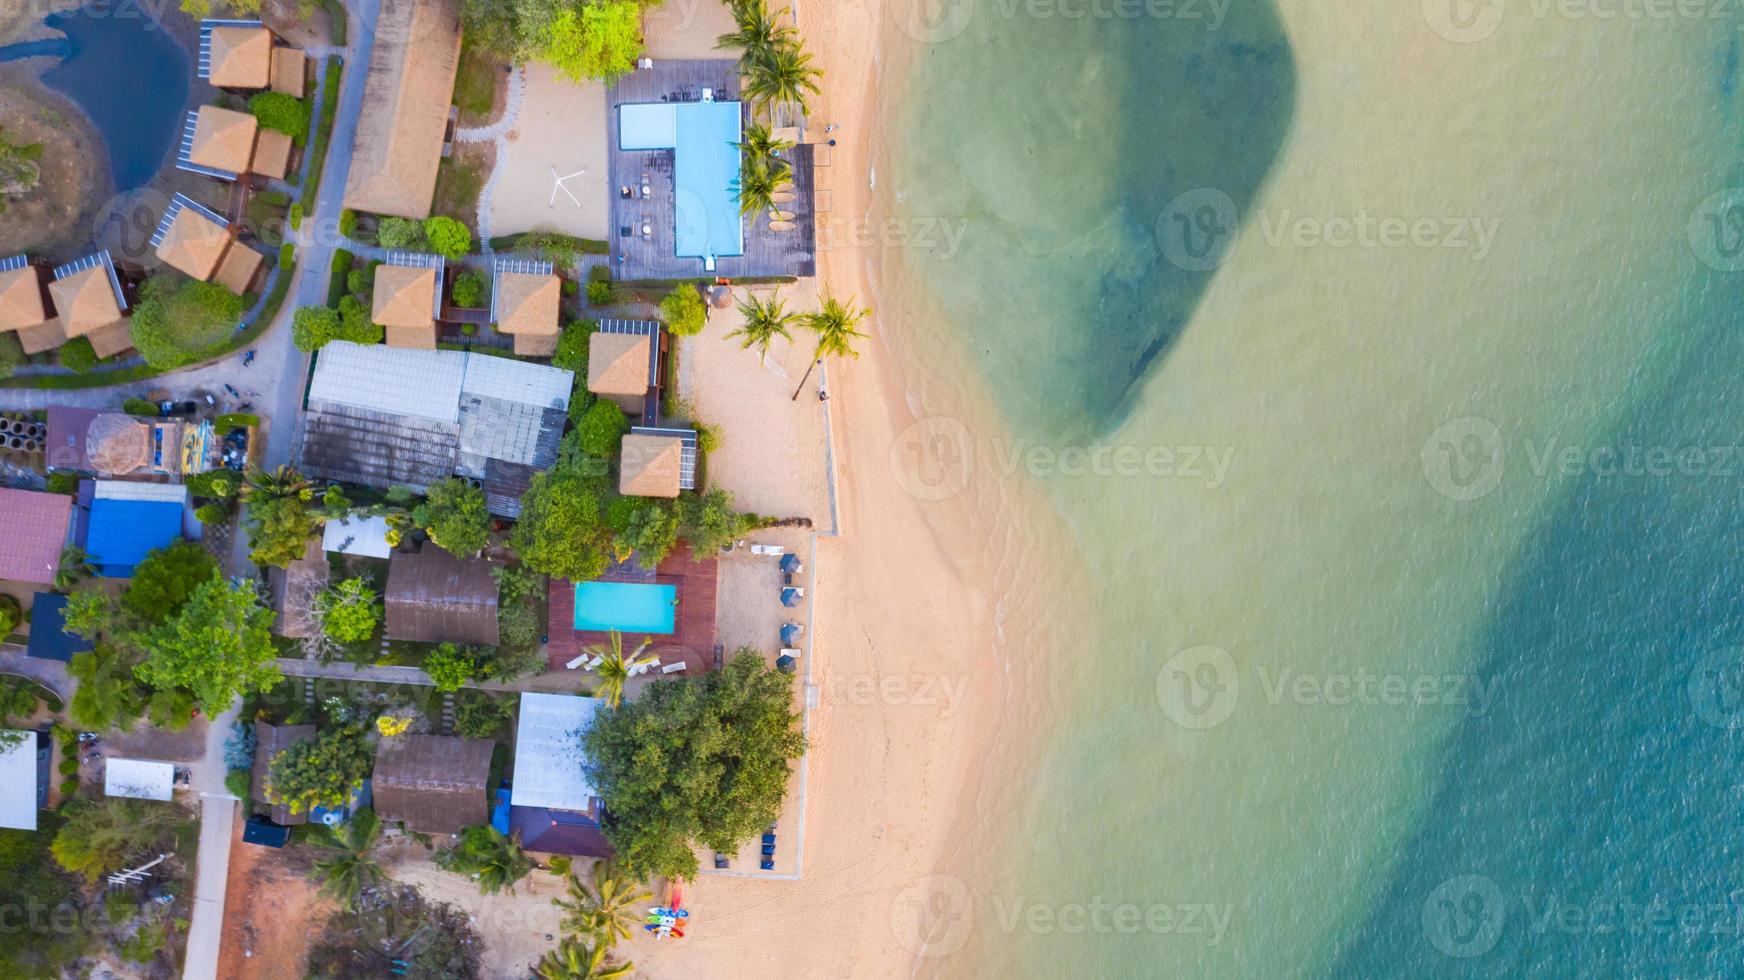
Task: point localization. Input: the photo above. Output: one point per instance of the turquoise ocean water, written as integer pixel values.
(1438, 674)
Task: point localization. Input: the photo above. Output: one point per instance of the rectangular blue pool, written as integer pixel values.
(703, 138)
(628, 607)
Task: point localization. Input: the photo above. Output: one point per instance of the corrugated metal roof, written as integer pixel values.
(434, 597)
(435, 784)
(548, 756)
(135, 490)
(138, 779)
(367, 536)
(18, 783)
(423, 384)
(540, 385)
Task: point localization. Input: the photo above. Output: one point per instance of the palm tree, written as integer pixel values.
(785, 75)
(604, 911)
(760, 145)
(75, 567)
(496, 862)
(764, 321)
(614, 669)
(351, 867)
(574, 959)
(280, 483)
(834, 325)
(758, 33)
(758, 182)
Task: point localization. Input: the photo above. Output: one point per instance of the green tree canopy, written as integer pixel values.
(572, 345)
(396, 233)
(282, 113)
(455, 516)
(218, 645)
(100, 837)
(700, 761)
(349, 865)
(710, 523)
(162, 583)
(450, 666)
(646, 526)
(683, 310)
(488, 857)
(177, 319)
(562, 529)
(447, 236)
(597, 40)
(602, 429)
(320, 771)
(350, 610)
(281, 516)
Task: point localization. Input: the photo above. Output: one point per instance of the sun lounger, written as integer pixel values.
(672, 668)
(769, 838)
(768, 549)
(577, 662)
(767, 864)
(768, 850)
(790, 651)
(720, 860)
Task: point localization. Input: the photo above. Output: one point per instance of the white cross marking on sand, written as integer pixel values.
(558, 185)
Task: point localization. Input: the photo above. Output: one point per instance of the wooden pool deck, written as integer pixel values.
(635, 257)
(693, 638)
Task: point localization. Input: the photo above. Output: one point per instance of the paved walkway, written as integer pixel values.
(217, 824)
(51, 674)
(565, 680)
(498, 133)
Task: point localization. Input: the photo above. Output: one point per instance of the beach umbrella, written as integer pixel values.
(790, 597)
(790, 633)
(720, 297)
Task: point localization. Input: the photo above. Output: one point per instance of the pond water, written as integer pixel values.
(128, 75)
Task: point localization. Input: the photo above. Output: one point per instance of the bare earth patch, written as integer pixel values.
(272, 913)
(58, 216)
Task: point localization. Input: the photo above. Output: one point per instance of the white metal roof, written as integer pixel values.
(18, 783)
(366, 536)
(139, 779)
(539, 385)
(174, 493)
(548, 755)
(394, 380)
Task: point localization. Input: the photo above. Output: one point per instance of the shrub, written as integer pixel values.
(78, 356)
(139, 406)
(350, 610)
(571, 287)
(11, 353)
(481, 716)
(359, 282)
(456, 517)
(447, 236)
(341, 262)
(313, 326)
(572, 346)
(210, 514)
(399, 233)
(60, 481)
(296, 216)
(69, 767)
(69, 787)
(601, 293)
(11, 614)
(237, 782)
(469, 289)
(287, 255)
(282, 113)
(217, 484)
(603, 428)
(450, 666)
(348, 222)
(684, 311)
(469, 329)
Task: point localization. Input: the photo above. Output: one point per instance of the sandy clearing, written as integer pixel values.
(561, 130)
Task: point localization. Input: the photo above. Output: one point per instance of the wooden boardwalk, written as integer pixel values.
(633, 257)
(693, 639)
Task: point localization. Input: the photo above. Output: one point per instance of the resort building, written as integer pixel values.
(125, 521)
(139, 779)
(85, 440)
(269, 741)
(365, 537)
(88, 296)
(33, 532)
(657, 462)
(294, 589)
(24, 776)
(408, 298)
(226, 144)
(240, 54)
(434, 784)
(434, 597)
(671, 130)
(24, 308)
(378, 416)
(552, 806)
(623, 365)
(194, 239)
(404, 124)
(525, 296)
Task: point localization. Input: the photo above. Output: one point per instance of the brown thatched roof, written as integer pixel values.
(85, 301)
(194, 243)
(44, 336)
(527, 303)
(241, 57)
(535, 344)
(269, 741)
(651, 466)
(288, 73)
(405, 296)
(117, 444)
(223, 139)
(236, 272)
(21, 299)
(434, 784)
(617, 364)
(434, 597)
(405, 108)
(112, 339)
(418, 338)
(272, 154)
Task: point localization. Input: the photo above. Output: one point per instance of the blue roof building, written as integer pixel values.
(49, 639)
(129, 521)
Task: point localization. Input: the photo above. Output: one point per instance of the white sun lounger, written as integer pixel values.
(672, 668)
(577, 662)
(790, 651)
(768, 549)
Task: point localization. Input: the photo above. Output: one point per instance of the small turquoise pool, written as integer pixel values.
(628, 607)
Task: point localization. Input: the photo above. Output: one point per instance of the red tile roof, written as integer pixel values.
(33, 530)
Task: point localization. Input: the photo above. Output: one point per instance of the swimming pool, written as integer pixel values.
(628, 607)
(703, 138)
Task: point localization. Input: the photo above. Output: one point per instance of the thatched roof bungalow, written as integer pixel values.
(407, 299)
(434, 597)
(525, 297)
(434, 784)
(88, 296)
(405, 108)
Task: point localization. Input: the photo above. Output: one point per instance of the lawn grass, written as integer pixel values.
(475, 83)
(335, 21)
(318, 147)
(459, 181)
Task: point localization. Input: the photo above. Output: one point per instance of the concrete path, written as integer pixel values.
(498, 133)
(51, 674)
(217, 824)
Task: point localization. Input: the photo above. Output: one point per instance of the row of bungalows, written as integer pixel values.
(441, 784)
(44, 307)
(411, 300)
(242, 56)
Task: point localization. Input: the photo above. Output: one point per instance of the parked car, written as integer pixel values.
(167, 409)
